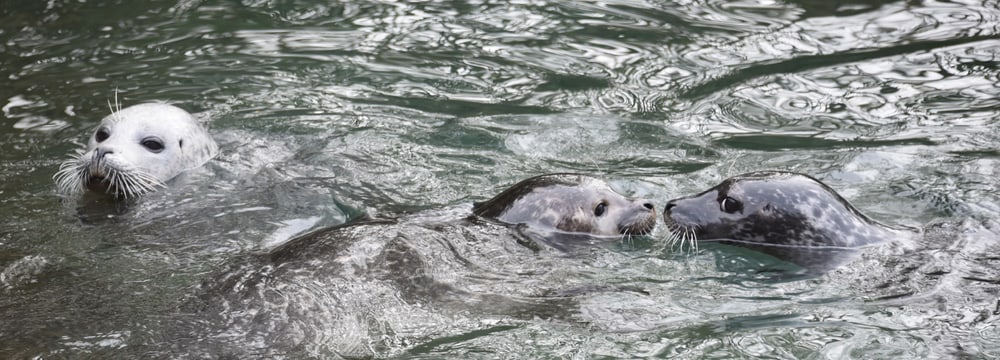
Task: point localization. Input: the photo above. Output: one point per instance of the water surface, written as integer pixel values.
(325, 111)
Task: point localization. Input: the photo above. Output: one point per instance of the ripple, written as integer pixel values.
(326, 111)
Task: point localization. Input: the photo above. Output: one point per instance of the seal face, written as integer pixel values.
(570, 203)
(774, 212)
(136, 150)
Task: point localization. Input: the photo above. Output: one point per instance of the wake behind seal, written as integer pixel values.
(318, 283)
(136, 150)
(791, 216)
(554, 206)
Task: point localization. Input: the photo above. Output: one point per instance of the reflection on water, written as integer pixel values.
(325, 111)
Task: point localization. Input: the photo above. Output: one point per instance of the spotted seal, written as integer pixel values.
(136, 150)
(550, 205)
(570, 203)
(788, 215)
(406, 264)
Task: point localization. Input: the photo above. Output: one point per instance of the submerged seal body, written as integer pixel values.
(788, 215)
(413, 264)
(570, 203)
(136, 150)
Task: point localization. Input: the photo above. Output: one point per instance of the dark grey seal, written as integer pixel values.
(791, 216)
(381, 287)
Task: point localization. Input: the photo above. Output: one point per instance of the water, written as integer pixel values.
(325, 111)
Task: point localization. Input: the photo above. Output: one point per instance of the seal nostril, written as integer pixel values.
(670, 205)
(101, 153)
(648, 206)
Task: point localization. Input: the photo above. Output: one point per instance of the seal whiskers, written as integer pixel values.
(681, 237)
(71, 175)
(787, 215)
(136, 150)
(117, 108)
(133, 184)
(570, 204)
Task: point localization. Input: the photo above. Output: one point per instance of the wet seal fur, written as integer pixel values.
(135, 150)
(559, 206)
(341, 289)
(790, 216)
(570, 204)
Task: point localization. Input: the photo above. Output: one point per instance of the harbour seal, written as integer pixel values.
(570, 203)
(791, 216)
(136, 150)
(465, 263)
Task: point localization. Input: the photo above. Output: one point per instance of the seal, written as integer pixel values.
(412, 263)
(788, 215)
(136, 150)
(570, 203)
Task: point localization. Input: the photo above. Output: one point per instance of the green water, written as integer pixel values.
(324, 111)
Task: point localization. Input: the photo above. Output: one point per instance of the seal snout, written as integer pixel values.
(670, 205)
(644, 205)
(678, 218)
(101, 153)
(641, 220)
(667, 211)
(97, 162)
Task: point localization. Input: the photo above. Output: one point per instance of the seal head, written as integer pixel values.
(773, 212)
(136, 150)
(570, 203)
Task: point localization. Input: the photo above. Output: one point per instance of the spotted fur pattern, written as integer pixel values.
(779, 209)
(569, 203)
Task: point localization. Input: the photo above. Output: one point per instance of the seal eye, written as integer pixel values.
(730, 205)
(599, 210)
(153, 144)
(102, 134)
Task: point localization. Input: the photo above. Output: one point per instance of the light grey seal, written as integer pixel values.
(788, 215)
(570, 203)
(135, 150)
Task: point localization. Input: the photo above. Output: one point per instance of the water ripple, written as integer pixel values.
(326, 110)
